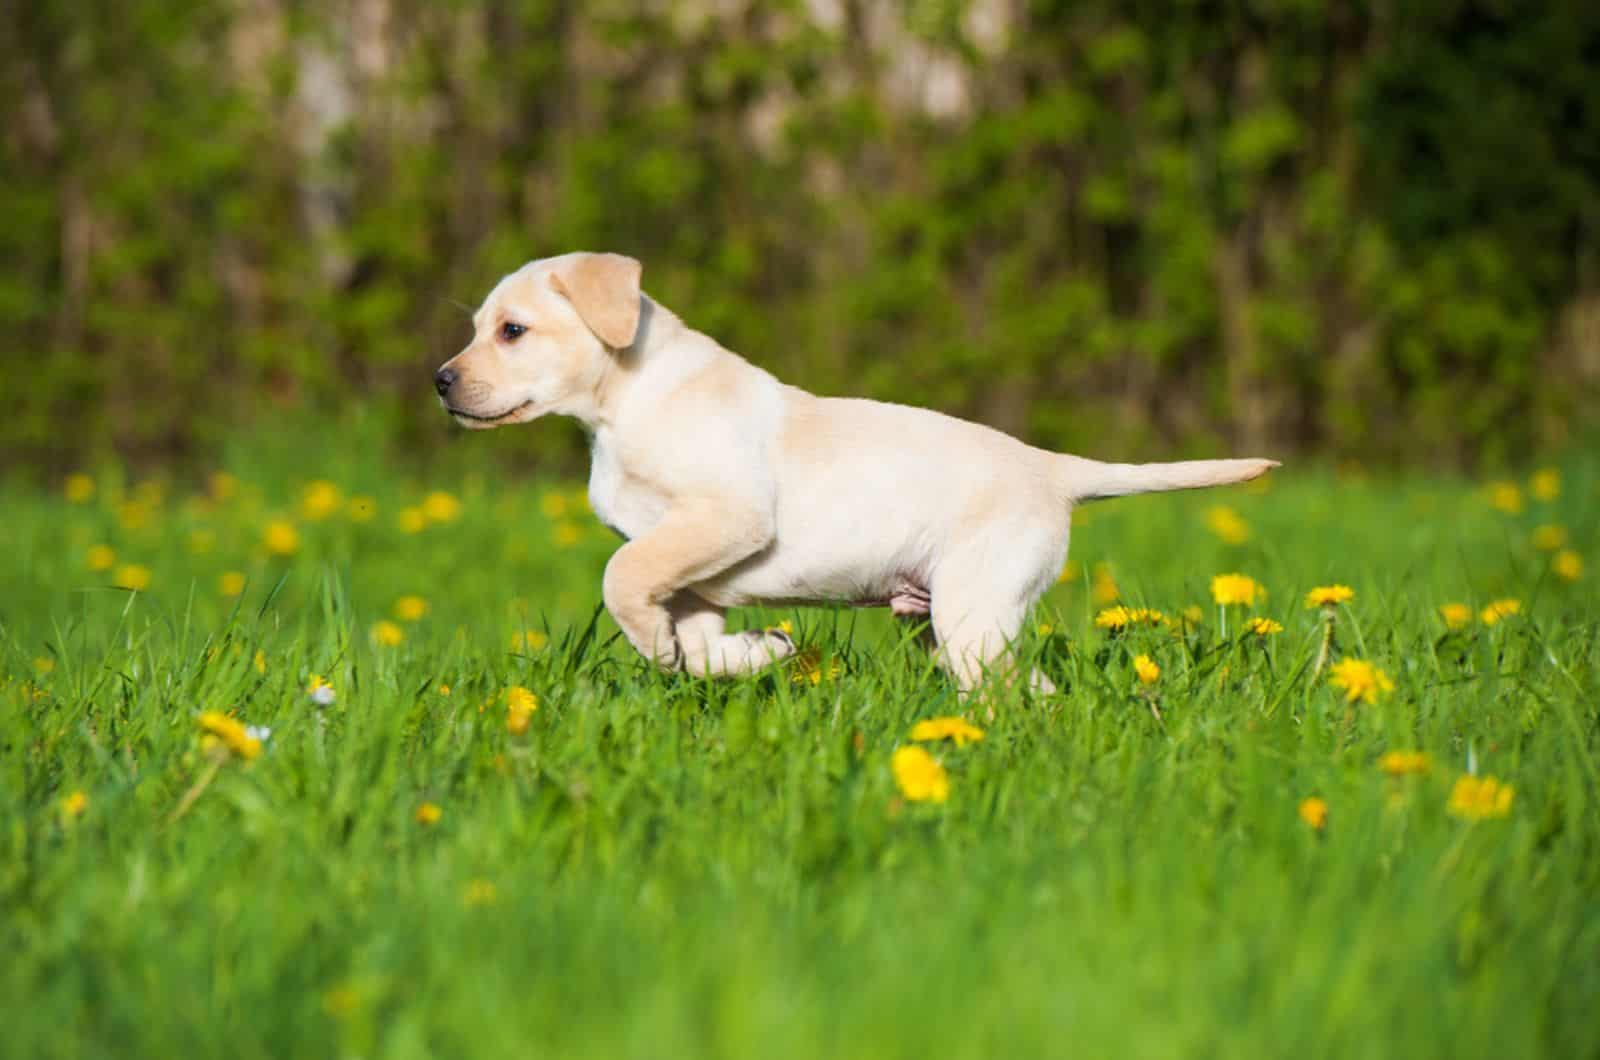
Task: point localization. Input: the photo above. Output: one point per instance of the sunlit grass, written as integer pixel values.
(440, 809)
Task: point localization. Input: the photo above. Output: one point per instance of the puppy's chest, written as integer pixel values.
(626, 504)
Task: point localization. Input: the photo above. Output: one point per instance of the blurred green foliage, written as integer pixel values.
(1122, 228)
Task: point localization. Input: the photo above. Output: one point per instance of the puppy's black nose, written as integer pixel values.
(443, 380)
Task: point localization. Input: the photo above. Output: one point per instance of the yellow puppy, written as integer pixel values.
(732, 488)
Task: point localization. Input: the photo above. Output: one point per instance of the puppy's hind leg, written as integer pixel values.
(710, 651)
(980, 600)
(975, 638)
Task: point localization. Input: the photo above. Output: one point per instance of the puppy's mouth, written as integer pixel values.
(493, 420)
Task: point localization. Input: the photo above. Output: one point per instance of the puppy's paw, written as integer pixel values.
(766, 646)
(668, 655)
(737, 653)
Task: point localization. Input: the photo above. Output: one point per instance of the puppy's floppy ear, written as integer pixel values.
(604, 288)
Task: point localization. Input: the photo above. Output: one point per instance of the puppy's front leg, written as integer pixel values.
(692, 543)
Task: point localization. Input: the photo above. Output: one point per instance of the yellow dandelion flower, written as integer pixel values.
(1149, 673)
(1568, 565)
(1360, 680)
(223, 486)
(260, 661)
(1105, 589)
(1263, 627)
(919, 776)
(520, 707)
(361, 509)
(1506, 497)
(410, 608)
(387, 633)
(1236, 589)
(135, 511)
(441, 507)
(1549, 538)
(1455, 615)
(1329, 595)
(428, 813)
(1499, 609)
(528, 640)
(132, 515)
(1314, 812)
(787, 627)
(101, 557)
(809, 669)
(566, 534)
(43, 664)
(281, 538)
(1545, 484)
(319, 500)
(960, 730)
(1227, 524)
(228, 733)
(74, 804)
(553, 504)
(1477, 799)
(412, 521)
(444, 690)
(1405, 763)
(1044, 629)
(79, 488)
(1112, 618)
(1069, 573)
(1120, 617)
(1194, 614)
(481, 892)
(231, 583)
(132, 576)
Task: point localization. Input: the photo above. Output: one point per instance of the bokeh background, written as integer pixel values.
(1363, 231)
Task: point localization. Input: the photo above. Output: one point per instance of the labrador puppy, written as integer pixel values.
(732, 488)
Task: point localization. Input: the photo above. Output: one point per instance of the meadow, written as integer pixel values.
(319, 753)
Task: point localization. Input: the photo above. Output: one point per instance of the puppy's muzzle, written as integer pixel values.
(443, 380)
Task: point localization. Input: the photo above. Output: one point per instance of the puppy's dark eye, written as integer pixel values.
(511, 332)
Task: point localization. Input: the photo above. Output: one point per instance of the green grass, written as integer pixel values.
(682, 868)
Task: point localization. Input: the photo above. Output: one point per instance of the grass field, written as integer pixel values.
(656, 866)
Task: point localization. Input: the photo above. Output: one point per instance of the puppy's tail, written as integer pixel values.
(1091, 480)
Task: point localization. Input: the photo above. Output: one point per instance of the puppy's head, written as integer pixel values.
(543, 340)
